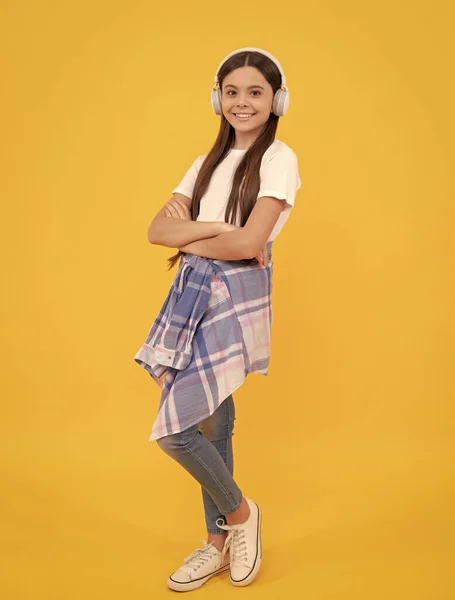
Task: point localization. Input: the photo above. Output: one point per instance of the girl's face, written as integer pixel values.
(246, 91)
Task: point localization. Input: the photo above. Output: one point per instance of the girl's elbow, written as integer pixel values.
(153, 233)
(247, 251)
(150, 237)
(156, 238)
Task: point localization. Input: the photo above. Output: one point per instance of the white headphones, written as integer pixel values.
(280, 100)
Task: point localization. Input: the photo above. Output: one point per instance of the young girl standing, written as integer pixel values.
(214, 326)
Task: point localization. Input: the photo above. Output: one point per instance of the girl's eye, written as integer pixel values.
(253, 92)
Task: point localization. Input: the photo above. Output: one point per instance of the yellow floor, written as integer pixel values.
(356, 518)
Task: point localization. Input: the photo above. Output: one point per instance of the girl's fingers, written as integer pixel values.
(171, 210)
(179, 211)
(262, 257)
(186, 214)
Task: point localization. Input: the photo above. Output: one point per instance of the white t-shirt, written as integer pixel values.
(279, 177)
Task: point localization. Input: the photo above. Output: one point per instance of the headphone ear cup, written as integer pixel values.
(281, 102)
(216, 101)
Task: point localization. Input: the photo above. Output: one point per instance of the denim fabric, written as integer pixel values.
(205, 450)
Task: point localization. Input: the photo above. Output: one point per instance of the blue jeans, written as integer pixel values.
(205, 451)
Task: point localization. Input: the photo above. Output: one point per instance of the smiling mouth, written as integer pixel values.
(244, 116)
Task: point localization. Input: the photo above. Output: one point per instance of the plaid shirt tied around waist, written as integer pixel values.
(213, 329)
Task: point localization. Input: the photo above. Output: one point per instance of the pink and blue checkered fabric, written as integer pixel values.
(213, 329)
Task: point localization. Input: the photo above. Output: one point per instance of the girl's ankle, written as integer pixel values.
(218, 541)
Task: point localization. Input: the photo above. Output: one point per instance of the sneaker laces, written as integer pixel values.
(236, 539)
(199, 557)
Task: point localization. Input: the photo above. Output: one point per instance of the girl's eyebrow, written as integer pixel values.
(251, 86)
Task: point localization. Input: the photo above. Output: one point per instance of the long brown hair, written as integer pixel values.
(243, 196)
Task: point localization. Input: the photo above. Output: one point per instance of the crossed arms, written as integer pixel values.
(173, 227)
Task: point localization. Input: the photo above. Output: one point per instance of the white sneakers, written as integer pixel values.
(198, 567)
(244, 541)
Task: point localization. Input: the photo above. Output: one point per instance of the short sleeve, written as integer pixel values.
(280, 177)
(186, 186)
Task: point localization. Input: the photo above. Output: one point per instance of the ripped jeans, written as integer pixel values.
(205, 451)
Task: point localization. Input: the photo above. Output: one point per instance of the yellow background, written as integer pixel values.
(348, 444)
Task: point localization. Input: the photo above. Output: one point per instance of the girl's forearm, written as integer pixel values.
(226, 246)
(173, 233)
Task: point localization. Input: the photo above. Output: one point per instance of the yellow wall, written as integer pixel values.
(348, 444)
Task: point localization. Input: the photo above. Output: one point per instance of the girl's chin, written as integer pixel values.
(249, 123)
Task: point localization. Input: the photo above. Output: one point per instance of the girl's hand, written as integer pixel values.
(263, 257)
(177, 209)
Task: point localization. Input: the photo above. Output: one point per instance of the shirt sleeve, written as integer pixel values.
(186, 186)
(280, 177)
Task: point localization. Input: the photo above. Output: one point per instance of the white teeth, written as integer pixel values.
(243, 116)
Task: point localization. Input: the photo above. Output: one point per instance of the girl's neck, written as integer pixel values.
(242, 145)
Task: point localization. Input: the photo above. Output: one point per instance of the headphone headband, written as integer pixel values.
(283, 78)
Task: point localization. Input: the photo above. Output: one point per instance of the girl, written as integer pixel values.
(214, 326)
